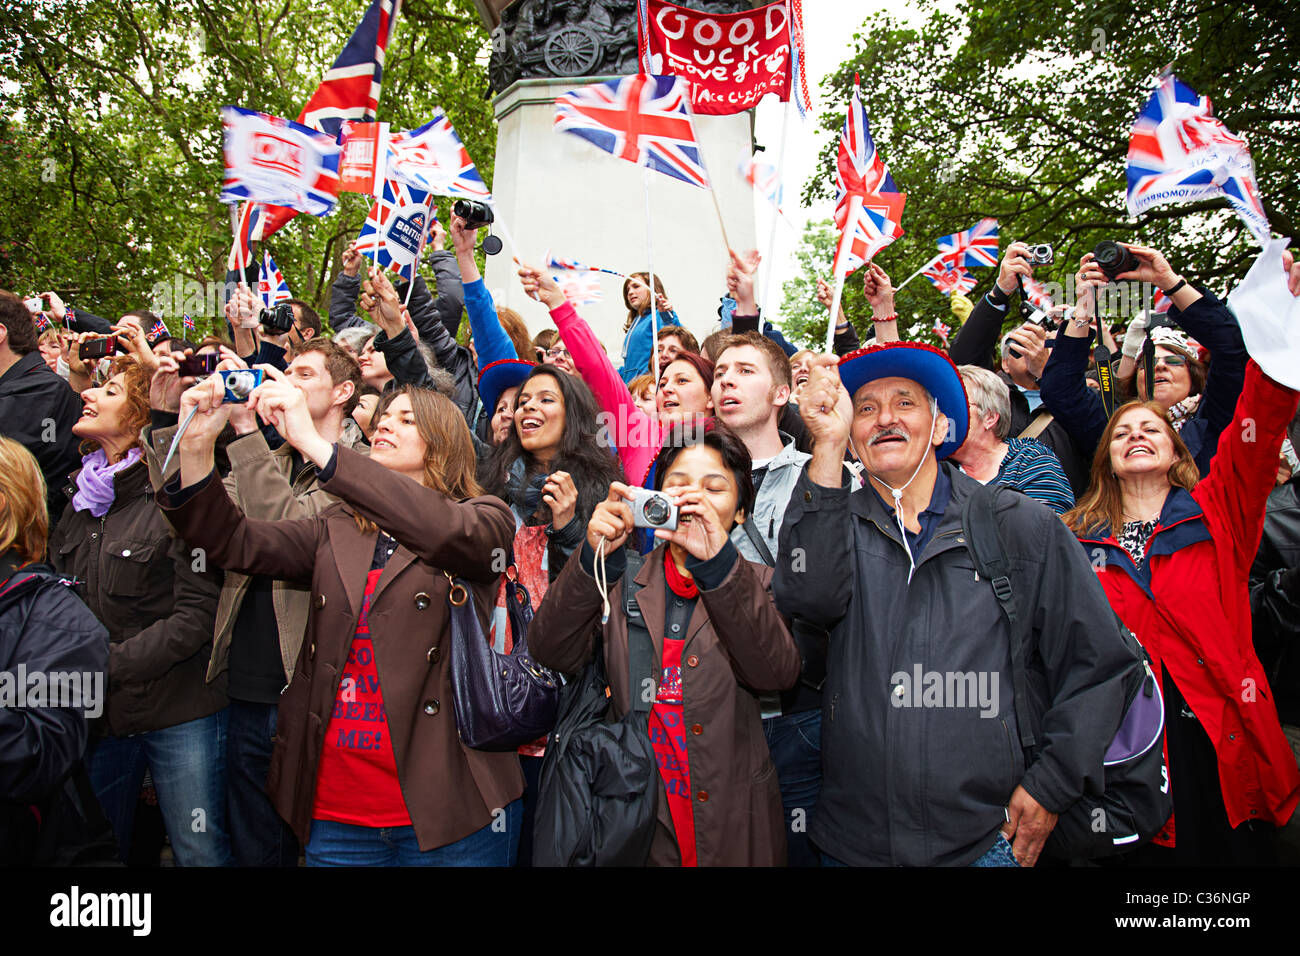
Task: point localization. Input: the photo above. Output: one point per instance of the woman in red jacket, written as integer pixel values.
(1174, 557)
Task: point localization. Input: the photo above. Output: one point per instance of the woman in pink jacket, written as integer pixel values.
(682, 393)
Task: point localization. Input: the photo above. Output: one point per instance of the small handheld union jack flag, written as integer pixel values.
(643, 119)
(157, 333)
(42, 323)
(863, 183)
(976, 246)
(188, 323)
(573, 265)
(948, 278)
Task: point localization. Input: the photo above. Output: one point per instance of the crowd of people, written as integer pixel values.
(767, 556)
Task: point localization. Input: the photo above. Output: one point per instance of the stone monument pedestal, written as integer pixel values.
(557, 192)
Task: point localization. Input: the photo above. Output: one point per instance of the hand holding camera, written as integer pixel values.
(698, 529)
(1016, 265)
(1030, 343)
(284, 406)
(611, 521)
(476, 215)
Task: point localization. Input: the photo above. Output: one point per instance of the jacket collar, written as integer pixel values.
(653, 602)
(128, 484)
(24, 365)
(788, 455)
(866, 503)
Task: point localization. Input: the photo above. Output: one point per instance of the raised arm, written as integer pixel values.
(490, 340)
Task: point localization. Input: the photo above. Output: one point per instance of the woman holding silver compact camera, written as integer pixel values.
(717, 641)
(158, 604)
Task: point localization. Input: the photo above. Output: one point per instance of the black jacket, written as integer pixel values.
(38, 410)
(158, 599)
(1275, 598)
(925, 785)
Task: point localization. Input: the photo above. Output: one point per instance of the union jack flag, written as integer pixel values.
(1159, 302)
(249, 231)
(157, 333)
(948, 278)
(1179, 152)
(875, 225)
(643, 119)
(762, 176)
(976, 246)
(393, 232)
(942, 329)
(864, 192)
(42, 323)
(269, 159)
(270, 282)
(573, 265)
(350, 90)
(580, 289)
(433, 158)
(188, 323)
(1035, 293)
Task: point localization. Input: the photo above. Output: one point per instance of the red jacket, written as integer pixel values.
(1190, 605)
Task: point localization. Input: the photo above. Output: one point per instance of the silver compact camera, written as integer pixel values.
(652, 509)
(1040, 255)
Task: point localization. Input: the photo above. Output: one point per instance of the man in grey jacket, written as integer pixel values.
(921, 762)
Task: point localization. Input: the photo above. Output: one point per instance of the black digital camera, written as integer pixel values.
(1114, 259)
(199, 365)
(98, 348)
(278, 319)
(476, 214)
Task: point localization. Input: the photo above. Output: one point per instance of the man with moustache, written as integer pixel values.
(887, 569)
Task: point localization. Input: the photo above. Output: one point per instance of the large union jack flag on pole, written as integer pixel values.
(269, 159)
(1179, 152)
(643, 119)
(349, 91)
(433, 158)
(976, 246)
(859, 170)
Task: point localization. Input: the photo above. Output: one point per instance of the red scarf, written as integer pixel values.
(678, 583)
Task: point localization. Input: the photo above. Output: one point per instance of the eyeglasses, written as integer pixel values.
(1173, 361)
(557, 353)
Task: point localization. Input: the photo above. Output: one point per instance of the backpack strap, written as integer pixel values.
(757, 541)
(1038, 425)
(979, 522)
(640, 648)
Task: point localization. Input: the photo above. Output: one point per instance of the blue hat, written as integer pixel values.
(501, 375)
(923, 364)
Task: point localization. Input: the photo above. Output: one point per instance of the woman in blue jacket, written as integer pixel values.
(639, 340)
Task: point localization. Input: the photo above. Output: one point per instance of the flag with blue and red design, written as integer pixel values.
(798, 59)
(433, 158)
(270, 283)
(157, 333)
(580, 289)
(573, 265)
(762, 176)
(42, 323)
(948, 278)
(1179, 152)
(248, 232)
(943, 330)
(643, 119)
(188, 323)
(874, 226)
(864, 192)
(394, 231)
(1159, 302)
(976, 246)
(1036, 293)
(269, 159)
(350, 90)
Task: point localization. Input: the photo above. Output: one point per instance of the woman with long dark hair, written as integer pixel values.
(552, 471)
(638, 336)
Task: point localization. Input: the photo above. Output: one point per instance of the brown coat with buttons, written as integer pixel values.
(450, 790)
(736, 644)
(141, 582)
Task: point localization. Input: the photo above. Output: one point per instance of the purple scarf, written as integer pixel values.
(95, 483)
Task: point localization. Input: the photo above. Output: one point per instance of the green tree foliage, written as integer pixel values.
(1021, 110)
(110, 136)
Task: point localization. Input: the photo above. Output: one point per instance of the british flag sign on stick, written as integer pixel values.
(643, 119)
(1179, 152)
(393, 231)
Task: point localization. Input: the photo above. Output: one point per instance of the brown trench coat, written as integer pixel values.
(737, 643)
(449, 789)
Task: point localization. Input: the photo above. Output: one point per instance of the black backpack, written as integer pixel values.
(598, 790)
(1136, 801)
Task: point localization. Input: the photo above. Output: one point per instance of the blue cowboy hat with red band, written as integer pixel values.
(923, 364)
(499, 376)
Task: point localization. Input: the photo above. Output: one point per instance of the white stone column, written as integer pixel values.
(558, 192)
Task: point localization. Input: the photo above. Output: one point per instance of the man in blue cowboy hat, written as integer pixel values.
(920, 749)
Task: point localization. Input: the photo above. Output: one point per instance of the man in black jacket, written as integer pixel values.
(37, 408)
(920, 758)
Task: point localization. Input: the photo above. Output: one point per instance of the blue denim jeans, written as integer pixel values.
(999, 854)
(345, 844)
(188, 766)
(258, 836)
(795, 742)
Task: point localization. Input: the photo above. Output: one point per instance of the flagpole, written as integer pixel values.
(239, 246)
(911, 277)
(419, 251)
(650, 264)
(776, 216)
(841, 253)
